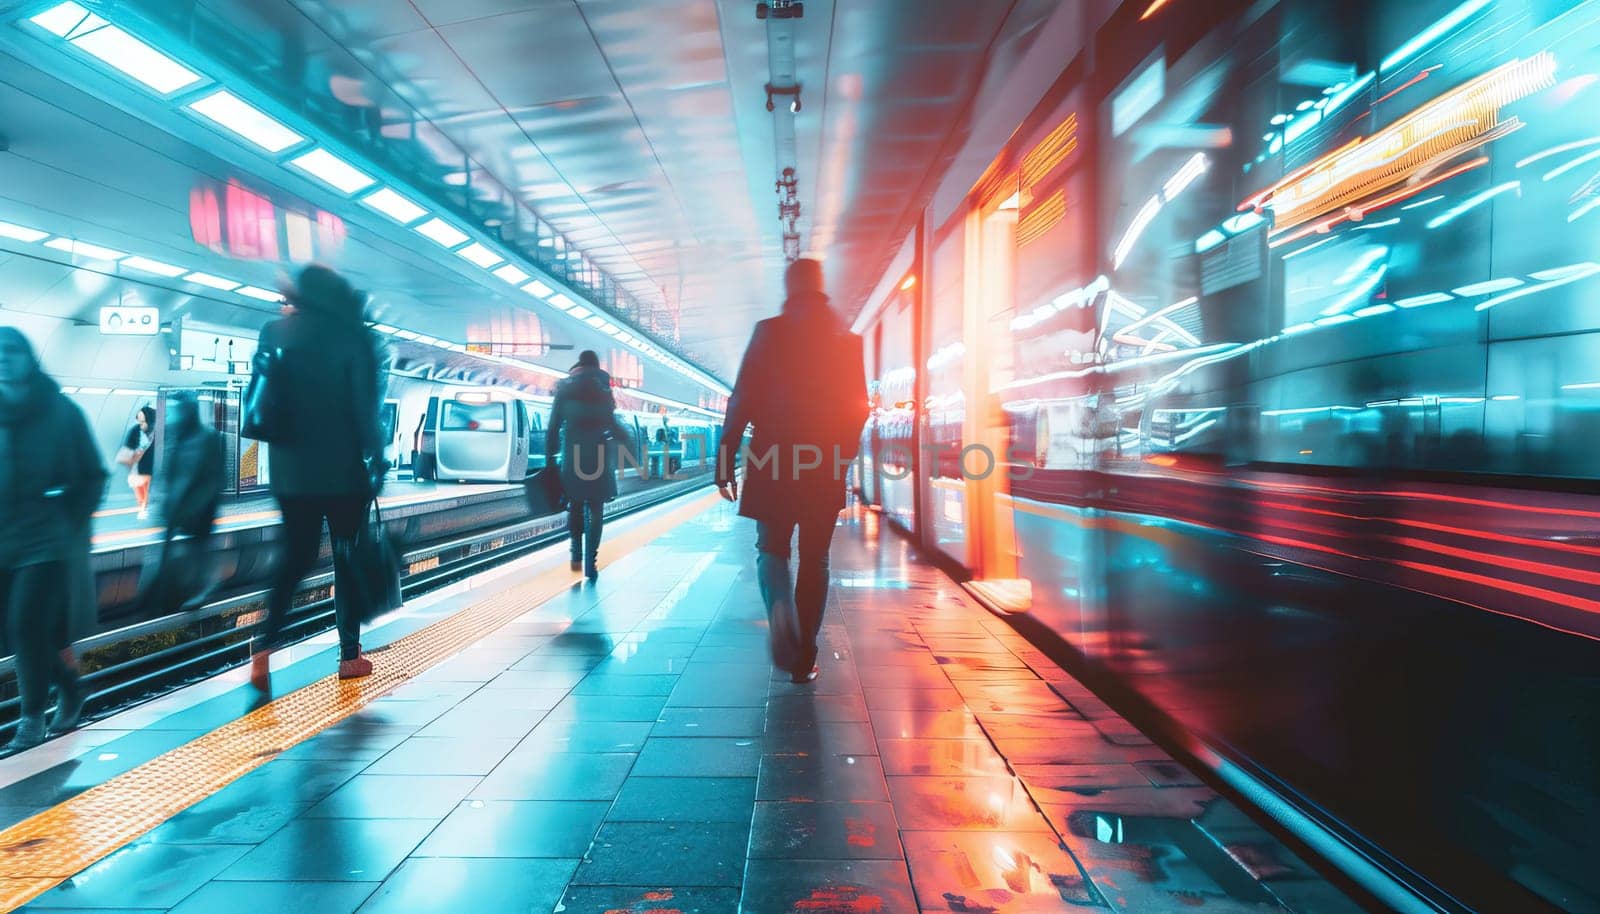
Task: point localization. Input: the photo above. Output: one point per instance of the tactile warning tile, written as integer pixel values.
(39, 853)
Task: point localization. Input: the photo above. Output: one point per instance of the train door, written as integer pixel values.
(517, 464)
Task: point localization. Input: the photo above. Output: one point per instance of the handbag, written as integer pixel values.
(127, 456)
(375, 564)
(544, 491)
(262, 415)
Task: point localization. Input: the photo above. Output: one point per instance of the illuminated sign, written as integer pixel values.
(247, 225)
(1143, 91)
(126, 320)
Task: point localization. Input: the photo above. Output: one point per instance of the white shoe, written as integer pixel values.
(144, 515)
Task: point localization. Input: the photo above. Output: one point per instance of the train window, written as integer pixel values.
(473, 417)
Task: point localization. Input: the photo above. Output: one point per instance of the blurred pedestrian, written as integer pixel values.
(51, 480)
(187, 493)
(802, 385)
(138, 454)
(327, 458)
(584, 432)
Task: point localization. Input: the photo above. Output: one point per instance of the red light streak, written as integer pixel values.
(1380, 203)
(1407, 84)
(1524, 590)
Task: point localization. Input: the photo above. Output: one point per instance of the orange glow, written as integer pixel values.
(1406, 85)
(1041, 219)
(1050, 151)
(1152, 9)
(1162, 460)
(1461, 119)
(908, 282)
(1380, 203)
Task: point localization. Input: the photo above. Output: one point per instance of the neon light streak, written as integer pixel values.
(1141, 220)
(1375, 225)
(1310, 247)
(1406, 85)
(1380, 203)
(1431, 298)
(1421, 203)
(1488, 286)
(1193, 168)
(1347, 93)
(1557, 150)
(1583, 210)
(1374, 310)
(1432, 33)
(1472, 202)
(1297, 328)
(1154, 7)
(1361, 264)
(1161, 315)
(1557, 172)
(1360, 293)
(1577, 272)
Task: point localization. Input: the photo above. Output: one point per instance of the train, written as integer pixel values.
(494, 435)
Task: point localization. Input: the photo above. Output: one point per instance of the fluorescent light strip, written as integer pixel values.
(1571, 269)
(146, 265)
(1376, 225)
(1310, 247)
(441, 232)
(596, 321)
(21, 232)
(66, 18)
(259, 293)
(1193, 168)
(579, 312)
(210, 281)
(1371, 310)
(1584, 210)
(538, 288)
(83, 248)
(511, 274)
(394, 206)
(228, 111)
(133, 58)
(1488, 286)
(480, 255)
(1432, 33)
(332, 171)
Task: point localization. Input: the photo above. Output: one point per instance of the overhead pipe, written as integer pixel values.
(783, 100)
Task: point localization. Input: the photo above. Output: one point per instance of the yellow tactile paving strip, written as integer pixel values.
(39, 853)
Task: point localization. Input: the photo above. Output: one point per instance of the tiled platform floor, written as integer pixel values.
(625, 749)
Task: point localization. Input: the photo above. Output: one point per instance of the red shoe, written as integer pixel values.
(355, 669)
(261, 671)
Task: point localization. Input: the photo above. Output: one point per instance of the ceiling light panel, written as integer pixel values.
(84, 249)
(511, 274)
(441, 232)
(394, 206)
(259, 294)
(210, 281)
(332, 171)
(21, 233)
(480, 255)
(119, 50)
(538, 288)
(233, 114)
(146, 265)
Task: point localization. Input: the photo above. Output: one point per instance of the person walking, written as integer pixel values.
(138, 454)
(802, 386)
(187, 494)
(326, 460)
(584, 432)
(51, 479)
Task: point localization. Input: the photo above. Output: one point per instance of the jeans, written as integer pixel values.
(586, 520)
(809, 589)
(302, 534)
(35, 602)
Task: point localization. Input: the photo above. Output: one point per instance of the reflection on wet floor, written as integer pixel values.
(626, 748)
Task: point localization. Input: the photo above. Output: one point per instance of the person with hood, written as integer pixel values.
(187, 492)
(51, 479)
(802, 386)
(583, 431)
(326, 461)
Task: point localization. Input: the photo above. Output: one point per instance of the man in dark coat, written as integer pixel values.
(329, 378)
(802, 385)
(51, 479)
(188, 491)
(583, 431)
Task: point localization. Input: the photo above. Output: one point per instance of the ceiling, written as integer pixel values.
(639, 127)
(636, 127)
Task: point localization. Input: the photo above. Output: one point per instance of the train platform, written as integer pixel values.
(531, 742)
(117, 524)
